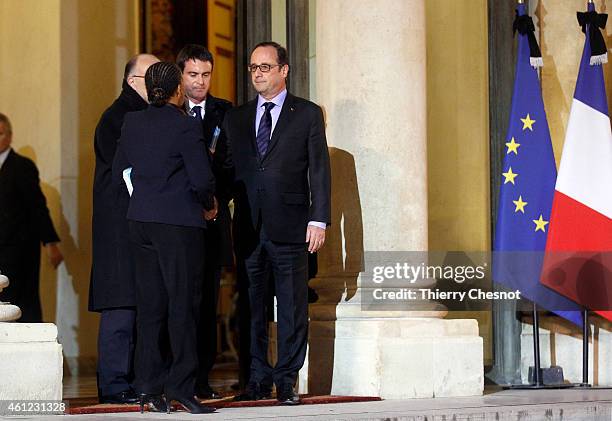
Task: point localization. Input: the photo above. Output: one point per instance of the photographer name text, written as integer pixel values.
(438, 295)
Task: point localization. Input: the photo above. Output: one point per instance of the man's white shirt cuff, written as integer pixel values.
(322, 225)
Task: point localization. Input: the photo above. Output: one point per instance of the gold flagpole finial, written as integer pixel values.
(521, 1)
(591, 1)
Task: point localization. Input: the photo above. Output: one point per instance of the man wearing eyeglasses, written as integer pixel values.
(111, 289)
(282, 175)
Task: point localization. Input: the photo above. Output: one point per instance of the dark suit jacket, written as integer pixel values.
(112, 280)
(290, 185)
(171, 175)
(218, 235)
(24, 216)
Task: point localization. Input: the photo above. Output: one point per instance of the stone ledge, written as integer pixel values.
(31, 371)
(408, 367)
(394, 358)
(27, 332)
(402, 327)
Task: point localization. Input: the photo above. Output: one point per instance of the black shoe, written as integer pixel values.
(207, 392)
(154, 402)
(286, 395)
(254, 392)
(125, 397)
(192, 405)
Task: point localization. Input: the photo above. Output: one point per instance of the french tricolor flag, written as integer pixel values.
(578, 262)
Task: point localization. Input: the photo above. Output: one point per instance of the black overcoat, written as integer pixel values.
(112, 283)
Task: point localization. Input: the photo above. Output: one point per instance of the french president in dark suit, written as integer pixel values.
(282, 174)
(173, 189)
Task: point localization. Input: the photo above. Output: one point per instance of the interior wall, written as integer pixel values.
(58, 72)
(458, 133)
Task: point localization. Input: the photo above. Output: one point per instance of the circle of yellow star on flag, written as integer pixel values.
(520, 205)
(540, 224)
(512, 146)
(509, 176)
(528, 123)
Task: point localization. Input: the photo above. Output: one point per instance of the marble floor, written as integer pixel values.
(223, 377)
(498, 405)
(495, 405)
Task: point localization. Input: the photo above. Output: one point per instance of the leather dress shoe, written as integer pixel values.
(254, 392)
(207, 392)
(125, 397)
(192, 405)
(155, 402)
(286, 395)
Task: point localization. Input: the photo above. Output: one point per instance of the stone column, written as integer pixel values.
(371, 83)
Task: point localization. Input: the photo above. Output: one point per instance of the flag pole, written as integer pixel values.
(585, 354)
(538, 382)
(536, 346)
(585, 349)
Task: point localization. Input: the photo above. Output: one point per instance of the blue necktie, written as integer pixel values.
(265, 129)
(197, 112)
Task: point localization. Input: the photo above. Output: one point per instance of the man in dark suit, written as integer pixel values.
(24, 224)
(197, 64)
(111, 289)
(282, 174)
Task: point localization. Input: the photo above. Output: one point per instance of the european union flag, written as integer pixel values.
(527, 185)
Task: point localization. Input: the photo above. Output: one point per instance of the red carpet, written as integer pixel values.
(80, 406)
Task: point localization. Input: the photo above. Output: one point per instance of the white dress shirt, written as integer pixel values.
(278, 101)
(3, 156)
(193, 104)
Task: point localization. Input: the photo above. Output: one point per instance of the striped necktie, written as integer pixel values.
(265, 129)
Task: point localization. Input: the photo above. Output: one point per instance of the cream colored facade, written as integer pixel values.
(61, 63)
(458, 134)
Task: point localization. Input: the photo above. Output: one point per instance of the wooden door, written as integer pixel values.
(222, 43)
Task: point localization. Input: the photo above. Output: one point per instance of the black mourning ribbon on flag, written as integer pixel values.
(595, 21)
(524, 25)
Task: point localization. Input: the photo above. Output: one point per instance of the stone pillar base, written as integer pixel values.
(395, 358)
(30, 362)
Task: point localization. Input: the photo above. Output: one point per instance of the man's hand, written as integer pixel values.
(315, 237)
(212, 214)
(54, 255)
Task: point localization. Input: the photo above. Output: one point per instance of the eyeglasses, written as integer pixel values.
(265, 68)
(137, 76)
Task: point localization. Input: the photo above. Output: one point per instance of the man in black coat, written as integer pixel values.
(111, 290)
(282, 173)
(197, 64)
(24, 224)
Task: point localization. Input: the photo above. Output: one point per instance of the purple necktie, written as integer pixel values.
(265, 129)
